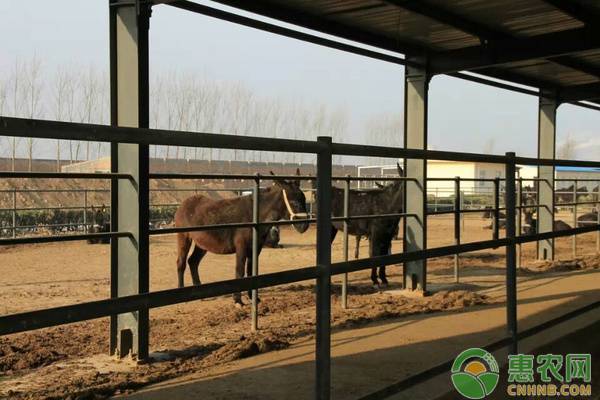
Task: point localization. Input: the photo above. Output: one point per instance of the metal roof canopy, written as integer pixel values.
(552, 45)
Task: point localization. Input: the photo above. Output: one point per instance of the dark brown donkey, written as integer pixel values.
(283, 200)
(388, 199)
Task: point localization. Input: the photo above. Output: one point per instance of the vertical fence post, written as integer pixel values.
(345, 276)
(323, 302)
(511, 271)
(129, 72)
(85, 206)
(574, 238)
(457, 213)
(519, 218)
(255, 233)
(496, 208)
(598, 221)
(14, 213)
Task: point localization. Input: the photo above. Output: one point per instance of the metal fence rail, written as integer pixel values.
(323, 269)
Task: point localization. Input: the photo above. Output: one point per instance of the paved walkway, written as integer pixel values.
(368, 359)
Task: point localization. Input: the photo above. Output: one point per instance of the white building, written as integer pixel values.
(448, 170)
(588, 177)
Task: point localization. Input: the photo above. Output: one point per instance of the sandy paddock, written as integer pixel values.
(70, 360)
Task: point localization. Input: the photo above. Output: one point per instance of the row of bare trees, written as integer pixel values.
(179, 101)
(71, 94)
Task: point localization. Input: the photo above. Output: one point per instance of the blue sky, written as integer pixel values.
(463, 116)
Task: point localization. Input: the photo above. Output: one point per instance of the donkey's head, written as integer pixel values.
(395, 192)
(294, 201)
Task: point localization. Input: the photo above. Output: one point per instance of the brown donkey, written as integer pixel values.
(283, 200)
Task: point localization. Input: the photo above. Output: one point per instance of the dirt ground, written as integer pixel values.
(70, 362)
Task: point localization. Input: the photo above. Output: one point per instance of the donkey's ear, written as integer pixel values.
(400, 170)
(297, 181)
(379, 185)
(272, 173)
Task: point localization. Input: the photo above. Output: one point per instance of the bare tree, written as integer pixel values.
(89, 97)
(61, 84)
(17, 104)
(567, 150)
(33, 89)
(103, 106)
(385, 130)
(3, 99)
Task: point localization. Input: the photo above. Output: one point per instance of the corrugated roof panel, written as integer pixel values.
(519, 18)
(561, 75)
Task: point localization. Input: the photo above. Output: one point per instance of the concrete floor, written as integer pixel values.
(371, 358)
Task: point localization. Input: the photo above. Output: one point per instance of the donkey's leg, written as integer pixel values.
(382, 274)
(240, 261)
(357, 248)
(249, 272)
(333, 233)
(183, 247)
(193, 261)
(373, 269)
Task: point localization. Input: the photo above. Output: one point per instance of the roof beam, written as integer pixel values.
(483, 32)
(590, 91)
(574, 63)
(577, 11)
(507, 51)
(296, 16)
(447, 17)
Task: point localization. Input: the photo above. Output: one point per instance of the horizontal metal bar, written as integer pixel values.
(374, 216)
(63, 238)
(62, 175)
(45, 226)
(464, 179)
(556, 234)
(490, 82)
(95, 309)
(231, 176)
(581, 203)
(576, 179)
(557, 163)
(43, 208)
(55, 190)
(358, 265)
(80, 312)
(397, 152)
(452, 211)
(21, 127)
(371, 178)
(234, 225)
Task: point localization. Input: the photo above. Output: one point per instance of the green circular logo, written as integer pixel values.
(475, 373)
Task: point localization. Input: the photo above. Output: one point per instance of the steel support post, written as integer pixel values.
(598, 221)
(496, 222)
(14, 213)
(457, 209)
(519, 228)
(85, 207)
(345, 276)
(255, 235)
(511, 248)
(548, 104)
(416, 87)
(323, 302)
(574, 238)
(129, 22)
